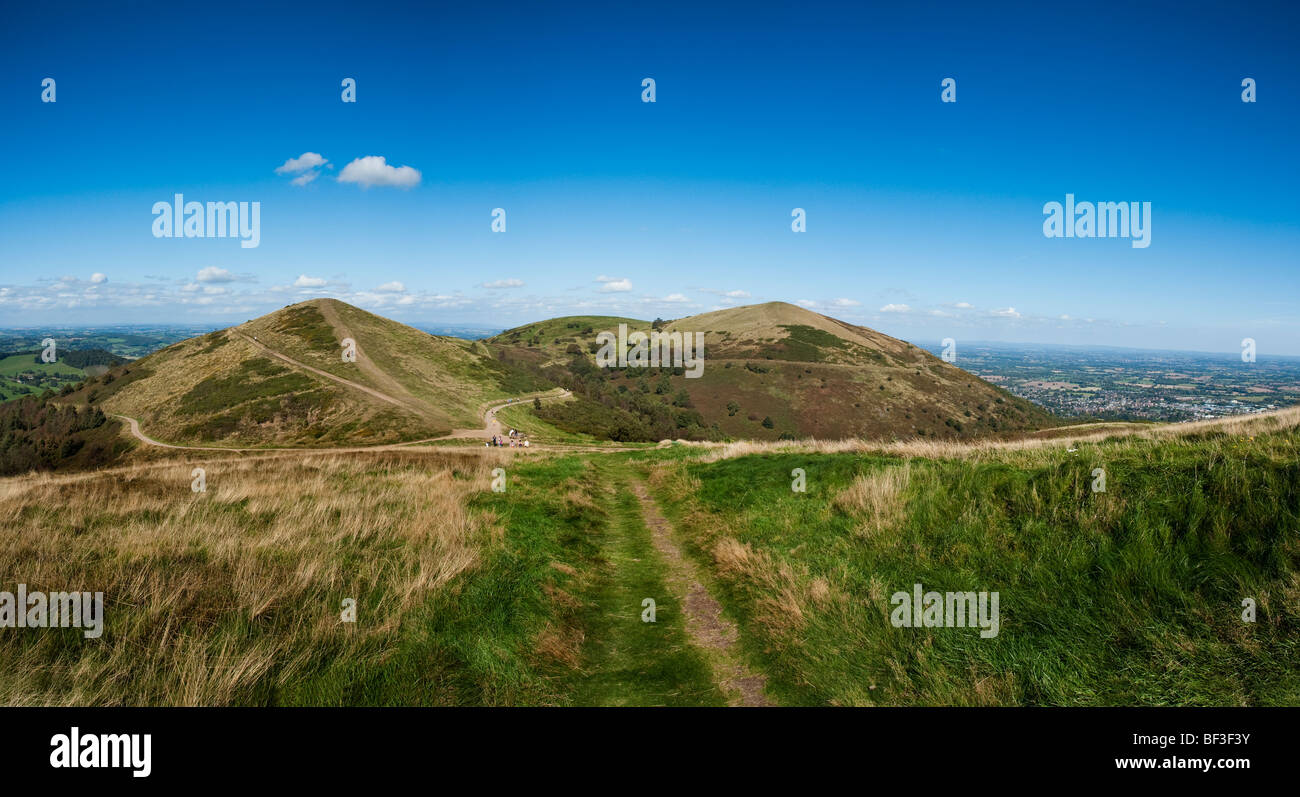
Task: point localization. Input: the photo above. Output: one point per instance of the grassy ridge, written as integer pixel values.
(234, 595)
(1131, 597)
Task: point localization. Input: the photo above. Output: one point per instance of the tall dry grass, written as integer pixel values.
(225, 596)
(1241, 425)
(876, 498)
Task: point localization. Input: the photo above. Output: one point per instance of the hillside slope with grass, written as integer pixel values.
(771, 370)
(282, 379)
(675, 575)
(1128, 596)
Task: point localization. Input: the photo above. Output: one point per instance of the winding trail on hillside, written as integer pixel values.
(377, 375)
(491, 426)
(348, 382)
(705, 623)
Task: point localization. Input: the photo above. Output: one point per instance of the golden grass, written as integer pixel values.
(207, 593)
(876, 497)
(779, 605)
(1241, 425)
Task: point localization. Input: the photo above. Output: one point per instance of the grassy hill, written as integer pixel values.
(534, 596)
(281, 379)
(771, 370)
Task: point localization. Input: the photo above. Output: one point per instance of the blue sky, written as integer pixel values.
(924, 219)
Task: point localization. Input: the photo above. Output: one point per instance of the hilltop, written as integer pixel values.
(282, 379)
(771, 370)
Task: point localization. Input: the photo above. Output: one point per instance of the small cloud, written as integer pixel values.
(215, 274)
(737, 294)
(1009, 312)
(896, 308)
(306, 166)
(613, 285)
(391, 287)
(302, 163)
(806, 303)
(675, 297)
(305, 281)
(97, 278)
(846, 303)
(1065, 318)
(373, 170)
(963, 305)
(506, 283)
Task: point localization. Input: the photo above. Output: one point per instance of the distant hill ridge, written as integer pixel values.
(771, 371)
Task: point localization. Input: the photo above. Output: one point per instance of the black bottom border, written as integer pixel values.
(334, 746)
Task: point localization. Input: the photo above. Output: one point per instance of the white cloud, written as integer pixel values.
(391, 287)
(215, 274)
(505, 283)
(963, 305)
(1009, 312)
(302, 163)
(305, 281)
(613, 285)
(675, 297)
(896, 308)
(373, 170)
(737, 294)
(806, 303)
(98, 278)
(307, 166)
(846, 303)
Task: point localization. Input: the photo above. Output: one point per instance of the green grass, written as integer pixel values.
(478, 643)
(628, 662)
(1131, 597)
(54, 375)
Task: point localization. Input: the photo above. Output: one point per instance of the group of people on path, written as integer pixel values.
(516, 439)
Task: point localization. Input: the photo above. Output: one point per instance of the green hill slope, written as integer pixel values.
(1131, 596)
(282, 379)
(771, 370)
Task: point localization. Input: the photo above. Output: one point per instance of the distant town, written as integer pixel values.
(1134, 384)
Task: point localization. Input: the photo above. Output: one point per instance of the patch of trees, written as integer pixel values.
(88, 357)
(606, 409)
(36, 434)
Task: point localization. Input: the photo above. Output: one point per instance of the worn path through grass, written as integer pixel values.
(627, 661)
